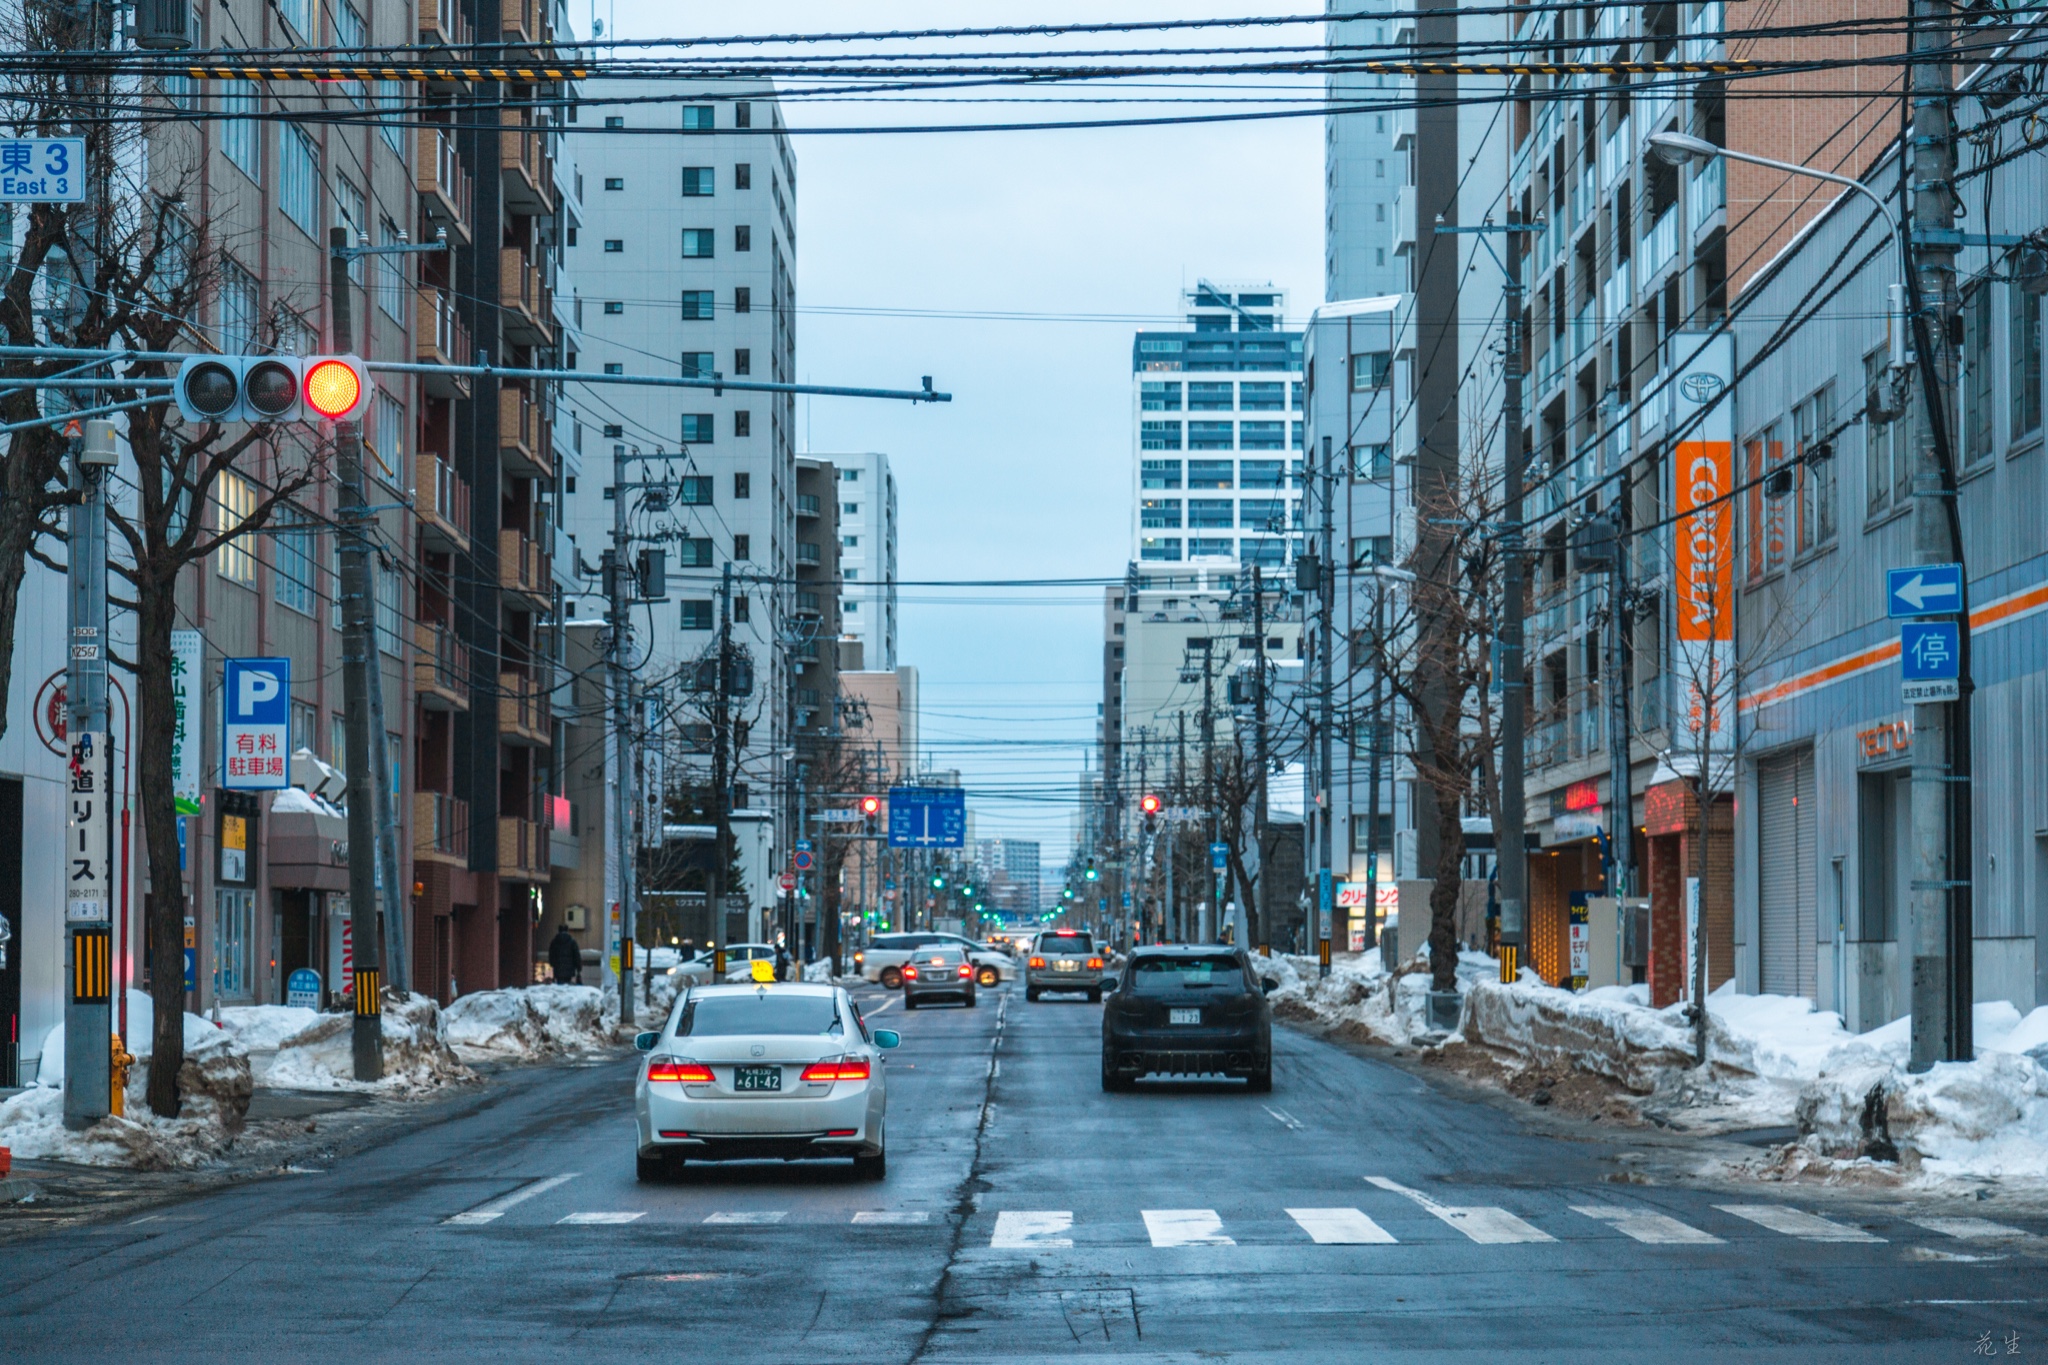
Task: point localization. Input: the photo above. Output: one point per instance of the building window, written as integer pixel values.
(1816, 471)
(697, 615)
(743, 547)
(742, 361)
(614, 367)
(392, 294)
(1263, 514)
(234, 933)
(742, 237)
(1261, 473)
(742, 114)
(1158, 396)
(1369, 371)
(742, 176)
(1264, 550)
(850, 605)
(849, 542)
(292, 580)
(694, 490)
(1212, 474)
(238, 307)
(742, 612)
(1368, 550)
(698, 118)
(1209, 435)
(1763, 455)
(1372, 461)
(241, 136)
(699, 244)
(849, 476)
(742, 423)
(298, 180)
(618, 182)
(1364, 837)
(297, 13)
(1211, 514)
(614, 121)
(1209, 397)
(1210, 547)
(742, 485)
(699, 182)
(234, 502)
(697, 305)
(742, 300)
(697, 364)
(2023, 354)
(614, 308)
(1295, 400)
(614, 244)
(1262, 435)
(1262, 397)
(1887, 446)
(698, 428)
(1160, 513)
(1159, 436)
(1980, 434)
(1159, 473)
(1159, 547)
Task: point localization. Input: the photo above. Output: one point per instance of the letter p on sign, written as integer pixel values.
(256, 688)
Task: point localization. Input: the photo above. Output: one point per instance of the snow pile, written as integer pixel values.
(266, 1028)
(213, 1084)
(530, 1023)
(417, 1057)
(1361, 999)
(1604, 1031)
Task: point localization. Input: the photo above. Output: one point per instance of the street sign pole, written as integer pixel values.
(88, 1013)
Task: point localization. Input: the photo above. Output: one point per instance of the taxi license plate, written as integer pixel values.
(1064, 965)
(1183, 1016)
(757, 1078)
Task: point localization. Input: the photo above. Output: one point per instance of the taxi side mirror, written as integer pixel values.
(646, 1041)
(887, 1037)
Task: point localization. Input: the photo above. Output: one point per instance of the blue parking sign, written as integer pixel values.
(255, 737)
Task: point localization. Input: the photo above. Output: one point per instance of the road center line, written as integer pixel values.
(484, 1213)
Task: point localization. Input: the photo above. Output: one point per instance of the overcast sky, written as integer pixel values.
(1026, 473)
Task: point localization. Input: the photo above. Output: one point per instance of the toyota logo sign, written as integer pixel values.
(1701, 388)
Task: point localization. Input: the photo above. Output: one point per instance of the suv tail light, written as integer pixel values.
(1094, 964)
(676, 1069)
(909, 972)
(1038, 962)
(839, 1069)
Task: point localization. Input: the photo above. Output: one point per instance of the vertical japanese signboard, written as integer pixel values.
(188, 659)
(87, 896)
(1704, 553)
(256, 724)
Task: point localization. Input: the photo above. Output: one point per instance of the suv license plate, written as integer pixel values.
(1183, 1016)
(1065, 966)
(757, 1078)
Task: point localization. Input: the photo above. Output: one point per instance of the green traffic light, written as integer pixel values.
(938, 882)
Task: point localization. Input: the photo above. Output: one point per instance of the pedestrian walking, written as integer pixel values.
(565, 955)
(781, 963)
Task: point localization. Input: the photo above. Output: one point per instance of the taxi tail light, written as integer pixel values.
(676, 1069)
(1094, 964)
(843, 1069)
(909, 972)
(1038, 962)
(966, 971)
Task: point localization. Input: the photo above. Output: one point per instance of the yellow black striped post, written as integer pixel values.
(92, 966)
(368, 990)
(1510, 964)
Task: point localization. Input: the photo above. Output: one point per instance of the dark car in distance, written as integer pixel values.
(1188, 1010)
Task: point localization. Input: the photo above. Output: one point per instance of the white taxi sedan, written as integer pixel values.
(770, 1071)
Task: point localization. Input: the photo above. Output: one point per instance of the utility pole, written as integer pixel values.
(1372, 768)
(619, 624)
(1621, 794)
(721, 773)
(89, 891)
(397, 897)
(358, 658)
(1942, 935)
(1326, 588)
(1261, 902)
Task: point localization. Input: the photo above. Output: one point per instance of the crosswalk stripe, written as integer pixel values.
(1483, 1223)
(1186, 1228)
(1340, 1227)
(893, 1217)
(602, 1219)
(495, 1209)
(1809, 1227)
(1969, 1229)
(1039, 1228)
(752, 1218)
(1645, 1226)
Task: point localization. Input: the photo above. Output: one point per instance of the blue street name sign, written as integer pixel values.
(1219, 856)
(927, 817)
(1923, 590)
(1930, 660)
(42, 170)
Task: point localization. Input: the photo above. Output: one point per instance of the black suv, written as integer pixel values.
(1183, 1010)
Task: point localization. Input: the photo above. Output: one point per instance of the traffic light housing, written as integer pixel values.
(1091, 874)
(272, 388)
(871, 806)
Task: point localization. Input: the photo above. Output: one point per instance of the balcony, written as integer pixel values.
(522, 443)
(447, 190)
(1588, 726)
(439, 338)
(1585, 330)
(523, 714)
(1404, 219)
(440, 499)
(523, 299)
(524, 571)
(522, 850)
(807, 555)
(442, 24)
(440, 829)
(1617, 295)
(1617, 154)
(440, 671)
(519, 21)
(525, 165)
(1546, 745)
(807, 505)
(1707, 202)
(1660, 247)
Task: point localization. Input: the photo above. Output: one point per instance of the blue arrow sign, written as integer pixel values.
(1923, 590)
(1219, 855)
(927, 817)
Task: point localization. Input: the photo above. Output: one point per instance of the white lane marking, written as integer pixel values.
(1340, 1227)
(1283, 1117)
(484, 1213)
(1033, 1228)
(1969, 1229)
(1484, 1224)
(1645, 1226)
(1186, 1228)
(753, 1218)
(869, 1014)
(893, 1217)
(1808, 1227)
(601, 1219)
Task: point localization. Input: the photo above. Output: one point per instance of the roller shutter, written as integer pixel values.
(1788, 881)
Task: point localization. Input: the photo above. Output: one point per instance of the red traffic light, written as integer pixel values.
(1149, 804)
(871, 805)
(336, 387)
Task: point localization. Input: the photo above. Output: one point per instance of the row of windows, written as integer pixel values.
(701, 428)
(699, 182)
(1250, 550)
(699, 244)
(1219, 473)
(701, 305)
(1252, 514)
(697, 118)
(698, 613)
(1157, 395)
(1220, 436)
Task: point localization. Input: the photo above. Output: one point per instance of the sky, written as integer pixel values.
(1027, 472)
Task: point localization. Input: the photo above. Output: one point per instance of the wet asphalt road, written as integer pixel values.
(1356, 1213)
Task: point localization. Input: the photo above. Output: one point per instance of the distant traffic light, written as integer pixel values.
(1091, 873)
(871, 806)
(1149, 804)
(938, 882)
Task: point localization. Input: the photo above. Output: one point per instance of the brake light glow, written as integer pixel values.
(1037, 962)
(909, 972)
(1064, 933)
(676, 1069)
(1094, 964)
(966, 970)
(847, 1069)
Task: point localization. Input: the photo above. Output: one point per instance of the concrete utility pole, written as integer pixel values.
(397, 897)
(721, 774)
(618, 618)
(1621, 793)
(1326, 706)
(358, 658)
(1261, 902)
(1942, 934)
(88, 883)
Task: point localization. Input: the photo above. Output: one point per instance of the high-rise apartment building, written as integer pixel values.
(867, 561)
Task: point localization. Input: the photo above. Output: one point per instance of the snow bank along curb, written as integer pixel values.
(417, 1057)
(531, 1023)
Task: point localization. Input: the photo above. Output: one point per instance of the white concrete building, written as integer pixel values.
(867, 560)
